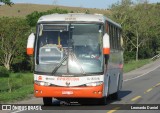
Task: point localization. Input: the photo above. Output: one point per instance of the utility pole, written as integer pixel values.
(55, 2)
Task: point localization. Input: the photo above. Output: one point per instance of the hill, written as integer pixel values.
(21, 10)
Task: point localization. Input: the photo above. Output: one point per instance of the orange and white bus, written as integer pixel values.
(76, 56)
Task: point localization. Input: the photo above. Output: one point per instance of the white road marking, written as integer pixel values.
(17, 111)
(142, 74)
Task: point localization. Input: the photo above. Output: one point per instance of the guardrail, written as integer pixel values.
(155, 57)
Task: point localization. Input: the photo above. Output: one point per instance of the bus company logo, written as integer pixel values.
(39, 77)
(67, 83)
(67, 79)
(70, 19)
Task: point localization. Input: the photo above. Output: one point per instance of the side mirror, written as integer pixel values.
(106, 44)
(30, 44)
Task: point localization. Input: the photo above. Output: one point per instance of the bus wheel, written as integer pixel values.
(103, 101)
(47, 101)
(115, 96)
(88, 101)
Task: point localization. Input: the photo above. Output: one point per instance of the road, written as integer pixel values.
(141, 86)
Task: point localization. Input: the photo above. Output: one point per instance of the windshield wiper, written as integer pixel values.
(59, 64)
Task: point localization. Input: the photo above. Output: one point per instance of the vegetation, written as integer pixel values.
(17, 94)
(141, 26)
(13, 38)
(16, 86)
(33, 17)
(8, 2)
(4, 72)
(131, 65)
(15, 81)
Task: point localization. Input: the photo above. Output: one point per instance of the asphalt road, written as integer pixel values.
(141, 86)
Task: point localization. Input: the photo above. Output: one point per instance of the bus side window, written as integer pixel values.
(110, 36)
(118, 36)
(114, 38)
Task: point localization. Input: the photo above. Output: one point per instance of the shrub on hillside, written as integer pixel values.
(129, 56)
(4, 72)
(33, 17)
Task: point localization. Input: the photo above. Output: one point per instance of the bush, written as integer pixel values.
(4, 72)
(146, 52)
(129, 56)
(4, 83)
(27, 79)
(14, 83)
(33, 17)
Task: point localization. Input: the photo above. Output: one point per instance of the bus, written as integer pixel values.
(76, 56)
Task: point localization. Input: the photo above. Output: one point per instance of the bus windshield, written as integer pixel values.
(69, 49)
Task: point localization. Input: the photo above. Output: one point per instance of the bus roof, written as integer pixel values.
(76, 17)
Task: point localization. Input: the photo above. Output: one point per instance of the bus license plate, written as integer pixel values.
(67, 92)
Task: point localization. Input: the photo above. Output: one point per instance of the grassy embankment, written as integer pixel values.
(18, 86)
(21, 10)
(132, 65)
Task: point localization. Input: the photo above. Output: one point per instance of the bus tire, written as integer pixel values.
(47, 101)
(115, 96)
(103, 101)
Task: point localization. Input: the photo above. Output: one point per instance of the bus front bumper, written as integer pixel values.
(68, 92)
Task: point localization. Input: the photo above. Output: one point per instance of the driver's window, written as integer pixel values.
(48, 37)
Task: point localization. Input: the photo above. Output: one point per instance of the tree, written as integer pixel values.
(144, 24)
(140, 25)
(13, 38)
(8, 2)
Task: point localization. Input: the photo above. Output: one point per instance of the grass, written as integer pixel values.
(15, 81)
(17, 94)
(21, 10)
(132, 65)
(15, 87)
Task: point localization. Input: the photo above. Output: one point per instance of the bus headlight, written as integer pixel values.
(41, 83)
(94, 83)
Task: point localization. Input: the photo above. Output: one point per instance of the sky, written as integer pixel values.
(101, 4)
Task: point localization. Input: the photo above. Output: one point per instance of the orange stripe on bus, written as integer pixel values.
(106, 50)
(78, 92)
